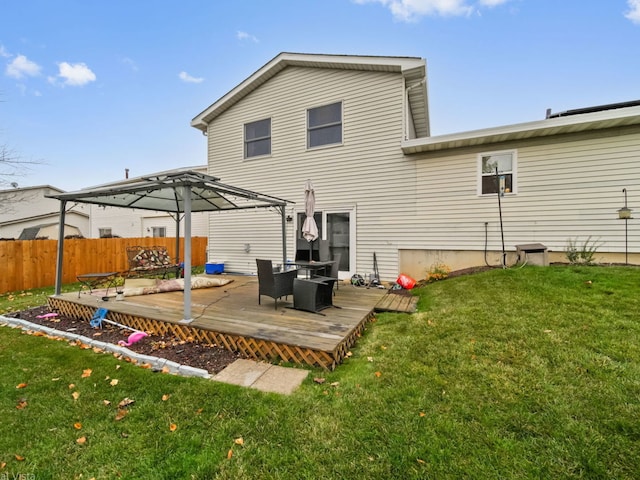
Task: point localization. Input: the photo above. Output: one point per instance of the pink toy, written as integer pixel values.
(48, 315)
(133, 338)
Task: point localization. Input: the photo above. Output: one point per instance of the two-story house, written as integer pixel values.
(358, 128)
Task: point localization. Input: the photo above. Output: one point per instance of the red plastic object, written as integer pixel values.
(405, 281)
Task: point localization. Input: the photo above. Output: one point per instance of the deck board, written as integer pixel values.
(231, 316)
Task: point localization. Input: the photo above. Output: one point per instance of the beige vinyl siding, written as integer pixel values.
(367, 172)
(568, 187)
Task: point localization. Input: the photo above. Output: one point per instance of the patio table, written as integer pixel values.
(92, 280)
(313, 267)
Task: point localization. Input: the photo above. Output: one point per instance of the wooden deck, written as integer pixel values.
(230, 316)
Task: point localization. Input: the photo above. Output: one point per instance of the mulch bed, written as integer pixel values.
(206, 356)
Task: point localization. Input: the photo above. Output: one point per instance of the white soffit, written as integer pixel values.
(542, 128)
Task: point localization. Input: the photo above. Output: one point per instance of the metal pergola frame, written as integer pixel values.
(180, 193)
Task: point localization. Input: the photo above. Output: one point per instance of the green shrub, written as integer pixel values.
(581, 254)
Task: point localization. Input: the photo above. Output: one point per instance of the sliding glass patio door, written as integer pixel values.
(336, 227)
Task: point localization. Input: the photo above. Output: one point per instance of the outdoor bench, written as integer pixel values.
(151, 261)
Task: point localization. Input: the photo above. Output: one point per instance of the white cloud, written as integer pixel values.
(412, 10)
(21, 67)
(246, 36)
(74, 75)
(634, 11)
(3, 52)
(185, 77)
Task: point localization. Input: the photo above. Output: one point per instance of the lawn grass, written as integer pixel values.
(523, 373)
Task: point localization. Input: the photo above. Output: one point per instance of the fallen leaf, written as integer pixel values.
(75, 395)
(348, 354)
(165, 370)
(378, 374)
(21, 385)
(419, 460)
(422, 414)
(239, 441)
(97, 350)
(335, 384)
(77, 425)
(86, 373)
(382, 347)
(21, 404)
(97, 334)
(113, 382)
(55, 379)
(81, 440)
(199, 411)
(2, 465)
(370, 359)
(145, 365)
(19, 458)
(229, 454)
(121, 414)
(72, 386)
(173, 427)
(124, 435)
(106, 402)
(117, 367)
(125, 402)
(319, 380)
(165, 397)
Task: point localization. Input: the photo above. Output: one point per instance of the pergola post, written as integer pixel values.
(60, 255)
(284, 236)
(187, 254)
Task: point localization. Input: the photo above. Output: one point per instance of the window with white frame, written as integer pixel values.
(257, 138)
(324, 125)
(497, 172)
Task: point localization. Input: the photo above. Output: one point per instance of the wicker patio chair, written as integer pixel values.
(274, 284)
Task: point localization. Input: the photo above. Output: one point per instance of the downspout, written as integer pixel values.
(407, 110)
(59, 259)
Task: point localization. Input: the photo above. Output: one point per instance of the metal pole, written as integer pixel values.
(626, 245)
(58, 288)
(284, 236)
(504, 254)
(187, 254)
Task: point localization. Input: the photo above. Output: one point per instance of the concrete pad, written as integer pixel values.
(242, 372)
(262, 376)
(280, 380)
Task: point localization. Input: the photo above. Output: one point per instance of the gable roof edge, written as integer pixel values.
(351, 62)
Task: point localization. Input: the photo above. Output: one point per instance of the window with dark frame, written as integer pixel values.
(159, 232)
(504, 182)
(324, 125)
(104, 232)
(257, 138)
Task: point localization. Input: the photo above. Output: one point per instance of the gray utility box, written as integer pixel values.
(533, 254)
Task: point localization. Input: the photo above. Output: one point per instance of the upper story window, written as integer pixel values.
(324, 125)
(257, 138)
(505, 179)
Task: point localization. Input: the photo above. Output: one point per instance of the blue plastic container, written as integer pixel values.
(213, 268)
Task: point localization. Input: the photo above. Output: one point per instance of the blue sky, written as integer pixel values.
(89, 88)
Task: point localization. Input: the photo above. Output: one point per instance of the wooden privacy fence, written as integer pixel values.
(32, 263)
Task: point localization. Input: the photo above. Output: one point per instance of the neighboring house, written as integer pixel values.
(127, 222)
(26, 213)
(358, 127)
